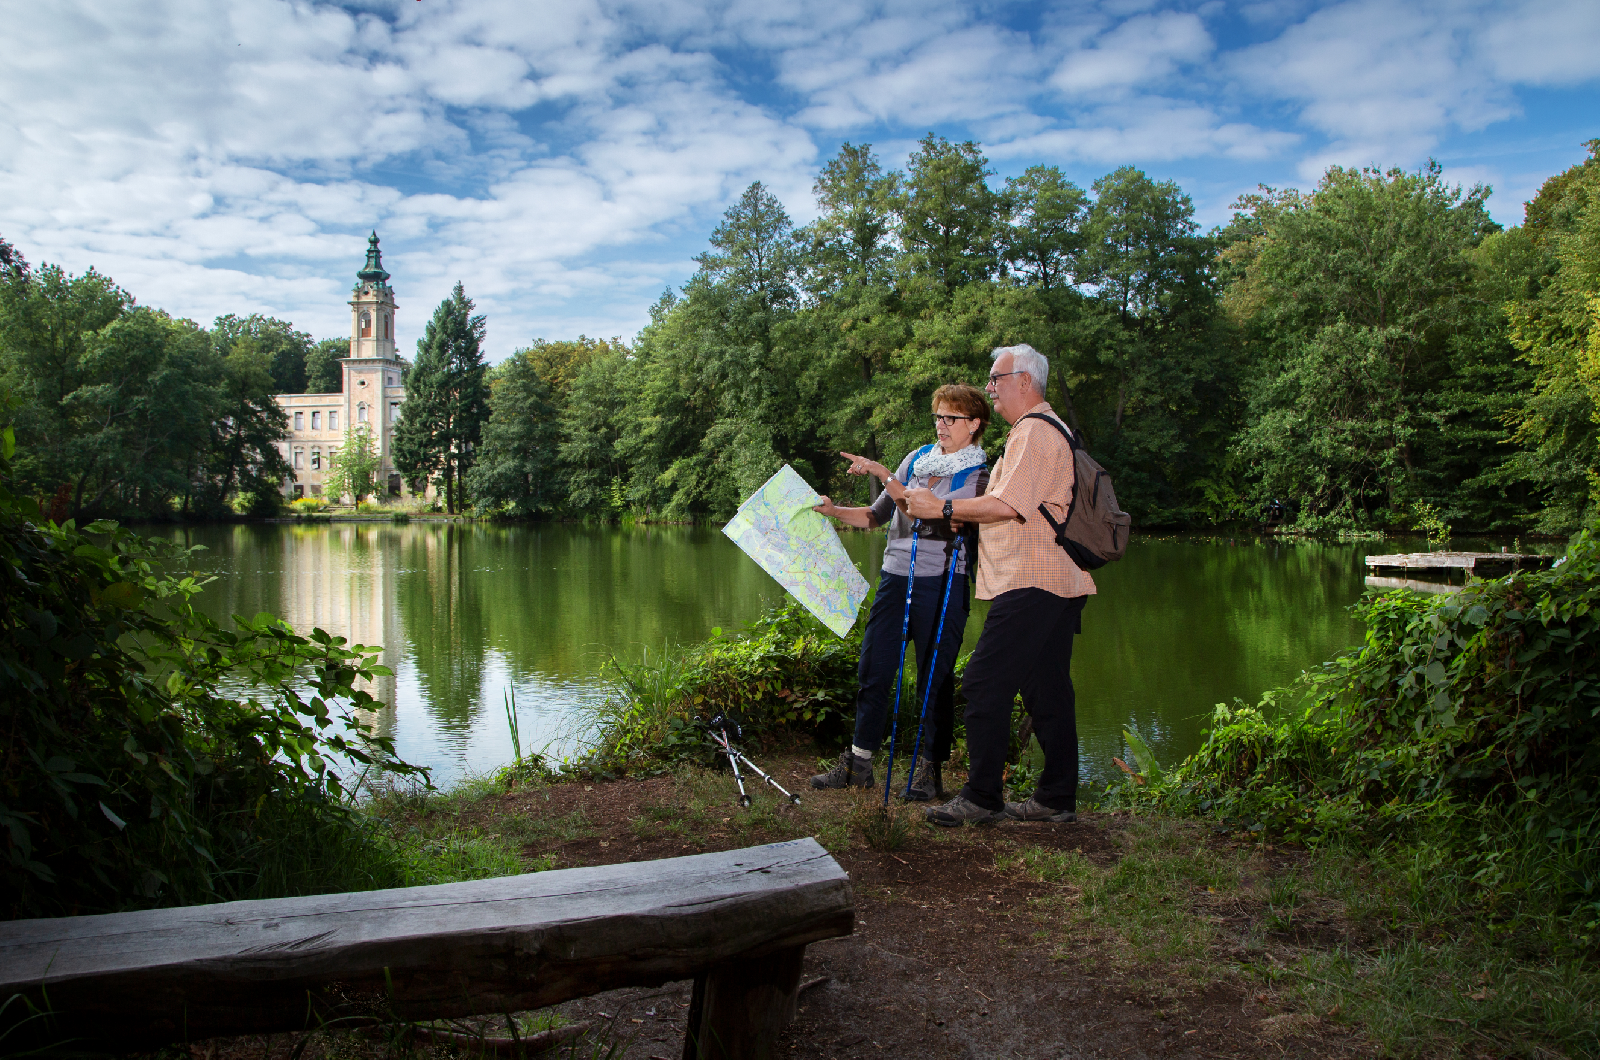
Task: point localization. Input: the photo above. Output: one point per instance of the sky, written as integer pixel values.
(566, 159)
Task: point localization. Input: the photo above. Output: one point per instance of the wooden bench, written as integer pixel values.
(736, 922)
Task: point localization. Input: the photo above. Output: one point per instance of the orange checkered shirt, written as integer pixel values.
(1022, 553)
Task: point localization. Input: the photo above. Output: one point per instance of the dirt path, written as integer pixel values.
(1109, 937)
(958, 950)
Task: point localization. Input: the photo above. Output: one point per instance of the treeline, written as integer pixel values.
(1348, 357)
(1370, 354)
(124, 410)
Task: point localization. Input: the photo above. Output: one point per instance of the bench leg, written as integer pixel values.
(739, 1007)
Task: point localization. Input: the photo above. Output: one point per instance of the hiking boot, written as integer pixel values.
(851, 771)
(1034, 810)
(959, 811)
(928, 784)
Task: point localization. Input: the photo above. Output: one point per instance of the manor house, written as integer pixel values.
(372, 392)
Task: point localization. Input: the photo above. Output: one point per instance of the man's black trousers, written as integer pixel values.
(1026, 647)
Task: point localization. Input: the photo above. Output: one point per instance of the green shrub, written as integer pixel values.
(308, 505)
(1470, 722)
(786, 674)
(150, 756)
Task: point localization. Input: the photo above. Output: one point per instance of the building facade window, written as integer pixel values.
(361, 414)
(297, 455)
(316, 459)
(316, 421)
(333, 421)
(366, 325)
(394, 412)
(299, 421)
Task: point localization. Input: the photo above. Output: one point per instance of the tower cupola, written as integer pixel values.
(372, 309)
(373, 272)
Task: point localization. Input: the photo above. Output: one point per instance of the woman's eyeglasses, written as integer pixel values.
(949, 421)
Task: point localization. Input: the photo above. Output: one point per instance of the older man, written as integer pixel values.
(1037, 596)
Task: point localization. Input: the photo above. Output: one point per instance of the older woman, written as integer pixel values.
(953, 467)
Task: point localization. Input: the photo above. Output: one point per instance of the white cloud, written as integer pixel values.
(566, 160)
(1143, 51)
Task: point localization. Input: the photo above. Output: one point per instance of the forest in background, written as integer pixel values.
(1369, 354)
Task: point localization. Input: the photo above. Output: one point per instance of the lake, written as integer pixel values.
(469, 612)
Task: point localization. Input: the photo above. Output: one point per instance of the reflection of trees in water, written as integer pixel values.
(1180, 626)
(443, 610)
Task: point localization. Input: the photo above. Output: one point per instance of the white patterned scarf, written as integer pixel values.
(936, 463)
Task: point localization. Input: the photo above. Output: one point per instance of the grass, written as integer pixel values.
(1387, 942)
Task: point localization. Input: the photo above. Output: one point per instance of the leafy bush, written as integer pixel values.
(308, 505)
(1469, 721)
(150, 756)
(785, 674)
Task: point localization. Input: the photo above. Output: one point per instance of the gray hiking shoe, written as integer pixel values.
(849, 772)
(1034, 810)
(959, 811)
(928, 784)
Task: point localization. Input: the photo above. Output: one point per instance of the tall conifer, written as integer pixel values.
(446, 399)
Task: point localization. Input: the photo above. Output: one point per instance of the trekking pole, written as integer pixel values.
(758, 771)
(900, 675)
(733, 761)
(933, 657)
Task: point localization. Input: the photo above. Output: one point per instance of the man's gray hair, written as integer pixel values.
(1025, 358)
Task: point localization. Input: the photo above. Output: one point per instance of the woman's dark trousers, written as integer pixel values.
(880, 660)
(1026, 647)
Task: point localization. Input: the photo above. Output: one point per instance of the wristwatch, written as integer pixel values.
(949, 509)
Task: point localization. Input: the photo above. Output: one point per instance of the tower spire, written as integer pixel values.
(373, 272)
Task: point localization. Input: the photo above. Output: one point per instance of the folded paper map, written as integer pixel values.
(777, 528)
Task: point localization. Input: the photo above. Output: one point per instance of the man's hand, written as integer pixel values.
(923, 504)
(827, 507)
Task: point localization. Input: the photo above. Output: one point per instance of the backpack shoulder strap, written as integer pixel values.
(913, 462)
(959, 479)
(1072, 450)
(1057, 424)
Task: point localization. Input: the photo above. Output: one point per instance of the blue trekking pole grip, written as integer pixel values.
(900, 674)
(933, 657)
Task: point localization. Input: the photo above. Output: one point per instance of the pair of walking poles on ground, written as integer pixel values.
(720, 724)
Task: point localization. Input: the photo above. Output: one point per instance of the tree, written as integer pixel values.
(950, 218)
(115, 401)
(1047, 239)
(285, 347)
(558, 363)
(353, 467)
(852, 242)
(241, 456)
(324, 373)
(516, 466)
(446, 399)
(1556, 327)
(1353, 294)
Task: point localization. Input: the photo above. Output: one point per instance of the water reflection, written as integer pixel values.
(466, 613)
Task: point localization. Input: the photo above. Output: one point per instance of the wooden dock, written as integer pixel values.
(1480, 564)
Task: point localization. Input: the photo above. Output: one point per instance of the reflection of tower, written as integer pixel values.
(336, 579)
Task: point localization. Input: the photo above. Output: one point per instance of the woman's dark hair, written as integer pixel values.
(968, 400)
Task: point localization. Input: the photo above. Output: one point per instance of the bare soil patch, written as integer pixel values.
(1100, 938)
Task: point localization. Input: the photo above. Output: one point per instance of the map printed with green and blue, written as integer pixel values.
(777, 528)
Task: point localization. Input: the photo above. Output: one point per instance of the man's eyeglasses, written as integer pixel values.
(995, 378)
(950, 421)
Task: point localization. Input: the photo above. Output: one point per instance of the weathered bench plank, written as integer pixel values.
(487, 946)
